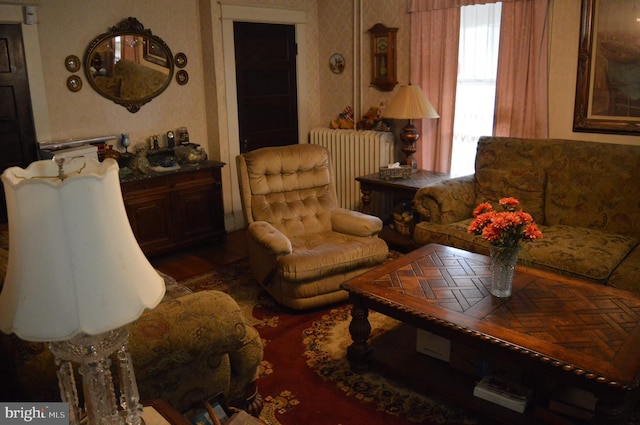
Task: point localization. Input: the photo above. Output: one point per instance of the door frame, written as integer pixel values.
(13, 14)
(229, 14)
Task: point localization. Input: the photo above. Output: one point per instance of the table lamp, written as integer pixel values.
(76, 277)
(410, 103)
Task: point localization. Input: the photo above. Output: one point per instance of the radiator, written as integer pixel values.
(354, 153)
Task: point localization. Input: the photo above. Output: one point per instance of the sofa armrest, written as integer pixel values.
(184, 351)
(355, 223)
(270, 238)
(194, 346)
(447, 201)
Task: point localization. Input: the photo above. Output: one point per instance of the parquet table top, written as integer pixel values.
(586, 329)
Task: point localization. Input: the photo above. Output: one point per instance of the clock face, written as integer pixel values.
(381, 45)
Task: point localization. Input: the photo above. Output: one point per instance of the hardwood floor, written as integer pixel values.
(203, 258)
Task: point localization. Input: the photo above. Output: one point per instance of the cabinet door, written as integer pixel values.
(195, 212)
(150, 221)
(198, 205)
(148, 206)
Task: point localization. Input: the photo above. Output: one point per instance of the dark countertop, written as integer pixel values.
(126, 175)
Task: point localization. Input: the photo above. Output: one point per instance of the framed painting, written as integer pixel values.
(608, 80)
(155, 53)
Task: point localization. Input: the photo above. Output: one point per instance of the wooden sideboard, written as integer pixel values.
(173, 210)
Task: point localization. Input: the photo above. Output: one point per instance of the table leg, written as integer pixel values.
(366, 200)
(611, 408)
(359, 353)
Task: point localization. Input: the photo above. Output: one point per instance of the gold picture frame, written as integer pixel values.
(608, 80)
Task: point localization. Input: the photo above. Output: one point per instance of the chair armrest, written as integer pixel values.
(447, 201)
(197, 344)
(355, 223)
(272, 239)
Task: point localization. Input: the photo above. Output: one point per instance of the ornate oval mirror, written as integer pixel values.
(128, 64)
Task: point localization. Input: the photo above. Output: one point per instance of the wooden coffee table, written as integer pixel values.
(581, 333)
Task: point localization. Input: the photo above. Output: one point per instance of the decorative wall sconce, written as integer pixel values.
(182, 77)
(72, 63)
(74, 83)
(181, 60)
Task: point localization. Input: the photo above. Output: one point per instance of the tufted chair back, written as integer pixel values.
(290, 187)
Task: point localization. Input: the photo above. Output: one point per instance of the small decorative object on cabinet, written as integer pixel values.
(170, 211)
(125, 141)
(383, 57)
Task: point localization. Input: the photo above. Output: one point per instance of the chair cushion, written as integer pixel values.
(326, 253)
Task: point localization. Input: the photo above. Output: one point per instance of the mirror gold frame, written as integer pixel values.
(129, 65)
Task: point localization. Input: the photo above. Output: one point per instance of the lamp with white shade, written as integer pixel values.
(410, 103)
(76, 277)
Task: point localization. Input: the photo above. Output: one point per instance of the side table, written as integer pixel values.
(403, 189)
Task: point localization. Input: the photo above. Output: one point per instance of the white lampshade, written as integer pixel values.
(410, 103)
(74, 263)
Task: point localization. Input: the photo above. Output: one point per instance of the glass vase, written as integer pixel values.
(503, 264)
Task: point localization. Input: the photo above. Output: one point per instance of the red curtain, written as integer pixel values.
(434, 35)
(521, 84)
(521, 87)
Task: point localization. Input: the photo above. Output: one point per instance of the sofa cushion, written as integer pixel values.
(590, 199)
(450, 234)
(574, 251)
(594, 185)
(580, 251)
(627, 275)
(527, 186)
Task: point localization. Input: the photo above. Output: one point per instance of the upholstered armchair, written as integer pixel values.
(189, 348)
(301, 245)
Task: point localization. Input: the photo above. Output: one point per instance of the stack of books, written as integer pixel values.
(502, 392)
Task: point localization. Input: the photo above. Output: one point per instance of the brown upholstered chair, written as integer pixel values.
(301, 245)
(186, 350)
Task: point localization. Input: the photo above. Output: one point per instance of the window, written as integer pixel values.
(476, 83)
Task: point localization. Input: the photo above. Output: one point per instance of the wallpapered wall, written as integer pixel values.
(193, 26)
(66, 27)
(337, 34)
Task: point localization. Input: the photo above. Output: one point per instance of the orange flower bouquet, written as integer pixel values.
(504, 229)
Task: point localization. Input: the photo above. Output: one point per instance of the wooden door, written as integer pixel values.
(17, 130)
(266, 84)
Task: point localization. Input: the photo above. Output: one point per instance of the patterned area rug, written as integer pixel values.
(305, 377)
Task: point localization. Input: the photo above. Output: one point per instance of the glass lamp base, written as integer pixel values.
(95, 355)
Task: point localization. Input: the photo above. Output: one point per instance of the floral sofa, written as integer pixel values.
(583, 195)
(189, 348)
